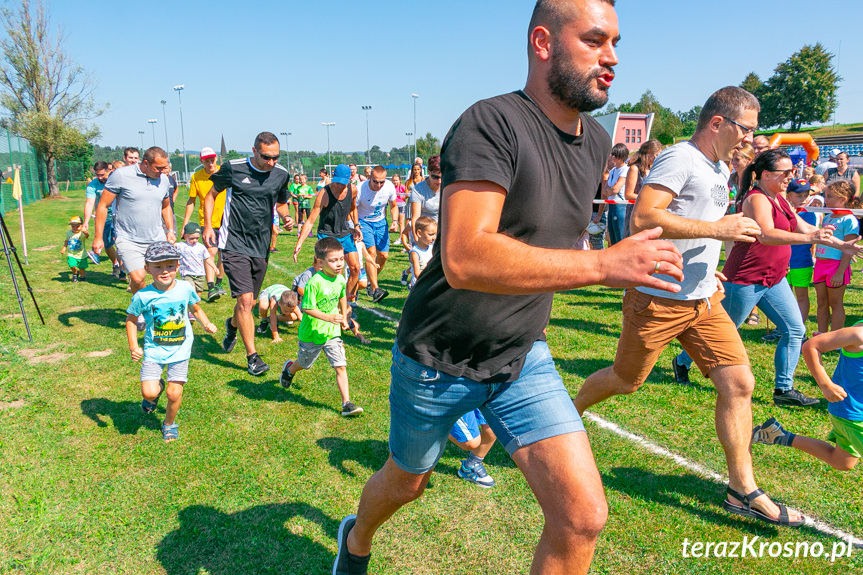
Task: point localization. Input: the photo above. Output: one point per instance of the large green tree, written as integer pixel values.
(427, 146)
(801, 90)
(49, 97)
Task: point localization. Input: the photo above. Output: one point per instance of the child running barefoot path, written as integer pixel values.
(325, 314)
(845, 394)
(168, 335)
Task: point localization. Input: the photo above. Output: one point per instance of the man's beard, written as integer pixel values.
(574, 89)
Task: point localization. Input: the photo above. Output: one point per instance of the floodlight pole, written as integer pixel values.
(328, 124)
(165, 121)
(142, 140)
(152, 122)
(409, 134)
(179, 88)
(368, 146)
(287, 149)
(415, 97)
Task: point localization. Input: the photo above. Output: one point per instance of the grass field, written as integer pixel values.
(261, 476)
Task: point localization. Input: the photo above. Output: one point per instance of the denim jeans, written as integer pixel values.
(780, 306)
(616, 223)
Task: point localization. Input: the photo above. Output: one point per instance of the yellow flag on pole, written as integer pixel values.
(16, 185)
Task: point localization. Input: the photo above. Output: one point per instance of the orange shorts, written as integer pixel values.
(650, 323)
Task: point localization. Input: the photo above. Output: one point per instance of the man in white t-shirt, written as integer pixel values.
(374, 195)
(686, 194)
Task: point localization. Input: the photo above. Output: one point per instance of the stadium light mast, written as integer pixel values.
(409, 134)
(415, 97)
(287, 149)
(179, 88)
(152, 122)
(328, 124)
(141, 132)
(368, 147)
(165, 121)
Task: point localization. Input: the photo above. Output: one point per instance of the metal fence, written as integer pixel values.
(17, 152)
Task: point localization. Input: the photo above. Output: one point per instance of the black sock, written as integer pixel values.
(209, 285)
(357, 561)
(219, 282)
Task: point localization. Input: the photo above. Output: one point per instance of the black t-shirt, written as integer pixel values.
(551, 178)
(250, 196)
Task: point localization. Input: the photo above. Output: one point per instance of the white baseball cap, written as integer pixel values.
(208, 153)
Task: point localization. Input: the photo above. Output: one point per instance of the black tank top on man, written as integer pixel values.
(550, 178)
(334, 217)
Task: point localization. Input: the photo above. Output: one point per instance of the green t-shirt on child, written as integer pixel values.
(322, 293)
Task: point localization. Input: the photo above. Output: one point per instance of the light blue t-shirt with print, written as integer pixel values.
(845, 225)
(94, 190)
(168, 337)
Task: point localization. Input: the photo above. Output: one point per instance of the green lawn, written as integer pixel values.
(261, 476)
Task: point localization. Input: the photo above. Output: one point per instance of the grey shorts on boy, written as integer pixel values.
(177, 371)
(334, 349)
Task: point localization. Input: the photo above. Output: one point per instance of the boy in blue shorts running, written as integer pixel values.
(473, 434)
(168, 336)
(845, 394)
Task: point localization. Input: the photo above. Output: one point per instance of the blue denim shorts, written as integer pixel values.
(426, 403)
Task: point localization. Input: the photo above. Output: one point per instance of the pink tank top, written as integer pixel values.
(759, 264)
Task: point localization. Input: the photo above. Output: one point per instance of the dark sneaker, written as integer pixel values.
(82, 279)
(344, 563)
(286, 379)
(150, 406)
(404, 280)
(74, 278)
(349, 409)
(380, 294)
(681, 372)
(774, 335)
(213, 295)
(122, 275)
(794, 397)
(230, 339)
(476, 474)
(263, 327)
(370, 291)
(771, 432)
(274, 250)
(257, 366)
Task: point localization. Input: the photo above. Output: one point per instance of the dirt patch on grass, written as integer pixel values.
(11, 316)
(44, 248)
(35, 356)
(76, 308)
(12, 404)
(103, 353)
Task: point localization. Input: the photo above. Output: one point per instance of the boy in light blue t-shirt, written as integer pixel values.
(168, 335)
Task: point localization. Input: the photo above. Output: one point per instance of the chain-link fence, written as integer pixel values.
(16, 152)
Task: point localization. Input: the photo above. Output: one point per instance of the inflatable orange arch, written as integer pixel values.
(804, 140)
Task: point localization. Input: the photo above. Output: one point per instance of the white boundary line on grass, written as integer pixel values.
(820, 526)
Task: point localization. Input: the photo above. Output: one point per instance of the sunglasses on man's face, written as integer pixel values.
(435, 176)
(266, 157)
(379, 182)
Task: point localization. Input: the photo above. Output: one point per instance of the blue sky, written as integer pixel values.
(288, 66)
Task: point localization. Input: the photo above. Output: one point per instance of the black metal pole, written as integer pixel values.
(6, 250)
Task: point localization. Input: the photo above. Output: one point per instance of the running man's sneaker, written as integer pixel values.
(286, 379)
(257, 366)
(122, 275)
(476, 474)
(681, 372)
(230, 339)
(771, 432)
(116, 271)
(263, 327)
(370, 291)
(404, 280)
(345, 563)
(349, 409)
(213, 295)
(793, 397)
(380, 294)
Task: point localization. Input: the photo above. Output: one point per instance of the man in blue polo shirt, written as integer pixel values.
(142, 205)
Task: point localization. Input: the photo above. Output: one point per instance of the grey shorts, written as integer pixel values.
(199, 283)
(132, 254)
(177, 371)
(334, 349)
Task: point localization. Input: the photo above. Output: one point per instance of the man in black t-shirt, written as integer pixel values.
(252, 187)
(519, 175)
